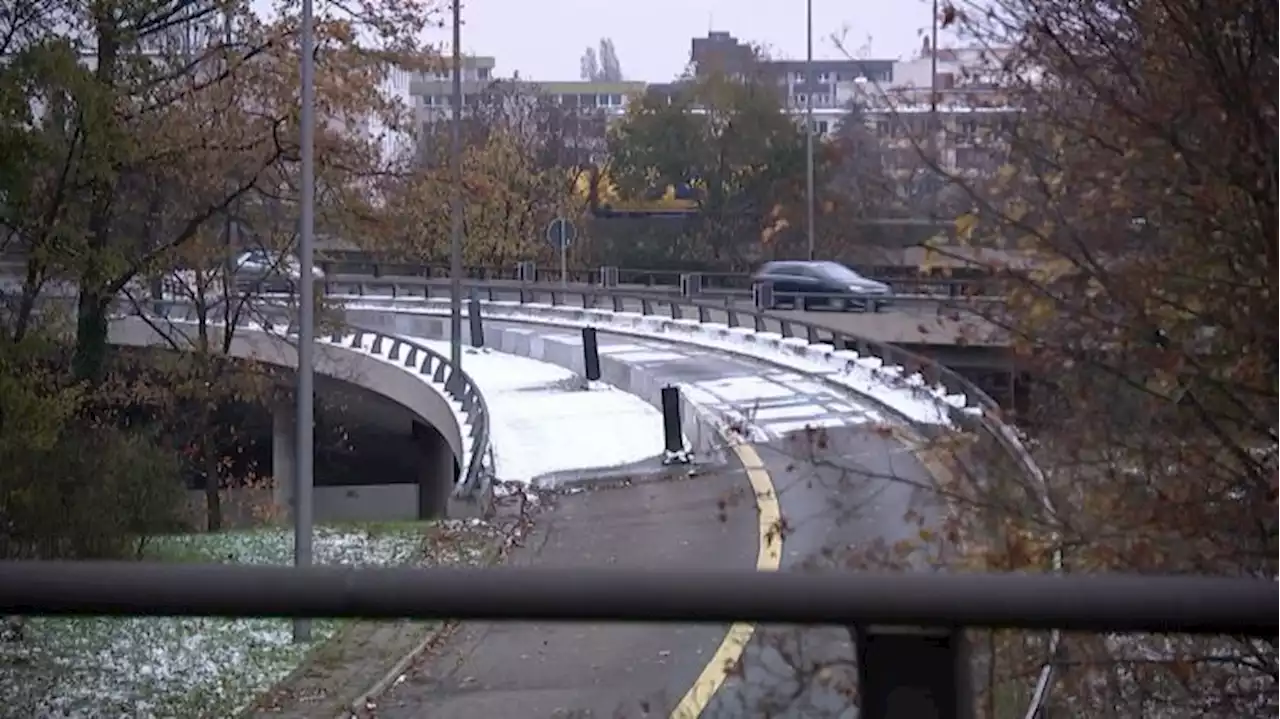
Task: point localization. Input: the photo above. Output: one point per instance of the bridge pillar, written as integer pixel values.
(284, 470)
(437, 471)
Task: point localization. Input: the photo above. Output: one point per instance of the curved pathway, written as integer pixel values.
(849, 485)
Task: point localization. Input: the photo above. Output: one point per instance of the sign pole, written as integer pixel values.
(564, 255)
(560, 234)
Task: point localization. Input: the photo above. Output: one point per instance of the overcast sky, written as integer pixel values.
(544, 39)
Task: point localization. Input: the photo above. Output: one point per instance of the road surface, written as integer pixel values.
(927, 323)
(918, 321)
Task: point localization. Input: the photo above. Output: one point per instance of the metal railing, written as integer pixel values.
(713, 284)
(912, 288)
(456, 383)
(909, 628)
(953, 282)
(731, 314)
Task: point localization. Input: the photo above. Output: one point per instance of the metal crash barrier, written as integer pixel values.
(908, 625)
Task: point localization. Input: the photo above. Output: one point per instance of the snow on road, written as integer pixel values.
(543, 423)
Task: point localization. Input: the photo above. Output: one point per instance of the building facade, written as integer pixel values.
(585, 108)
(959, 114)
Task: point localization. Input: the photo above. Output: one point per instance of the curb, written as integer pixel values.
(360, 705)
(625, 476)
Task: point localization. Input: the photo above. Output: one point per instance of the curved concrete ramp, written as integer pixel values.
(367, 364)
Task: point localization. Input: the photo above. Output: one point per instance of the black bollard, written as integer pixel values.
(590, 354)
(473, 316)
(157, 297)
(672, 431)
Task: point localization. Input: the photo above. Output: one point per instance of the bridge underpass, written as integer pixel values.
(383, 450)
(374, 460)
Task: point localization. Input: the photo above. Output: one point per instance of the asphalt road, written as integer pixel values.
(550, 670)
(929, 322)
(925, 321)
(843, 493)
(845, 509)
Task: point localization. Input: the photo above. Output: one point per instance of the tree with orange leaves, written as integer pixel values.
(1142, 181)
(516, 172)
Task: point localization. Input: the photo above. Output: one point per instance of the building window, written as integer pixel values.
(616, 100)
(824, 77)
(967, 130)
(802, 99)
(821, 127)
(798, 76)
(482, 73)
(883, 128)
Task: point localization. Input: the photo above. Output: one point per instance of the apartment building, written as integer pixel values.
(960, 114)
(587, 106)
(829, 84)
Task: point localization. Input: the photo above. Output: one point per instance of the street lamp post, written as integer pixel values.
(302, 518)
(808, 120)
(455, 202)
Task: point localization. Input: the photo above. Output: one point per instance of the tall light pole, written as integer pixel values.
(306, 314)
(455, 201)
(933, 108)
(808, 121)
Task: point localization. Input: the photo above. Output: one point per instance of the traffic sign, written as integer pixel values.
(560, 233)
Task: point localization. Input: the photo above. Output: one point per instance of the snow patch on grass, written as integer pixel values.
(157, 668)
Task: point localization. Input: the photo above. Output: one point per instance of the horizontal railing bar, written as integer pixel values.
(1095, 603)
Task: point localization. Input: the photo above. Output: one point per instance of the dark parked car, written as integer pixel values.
(805, 285)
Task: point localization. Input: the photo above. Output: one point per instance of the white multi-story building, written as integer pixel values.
(587, 106)
(958, 113)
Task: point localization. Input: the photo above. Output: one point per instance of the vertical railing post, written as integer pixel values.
(762, 295)
(608, 276)
(913, 673)
(690, 284)
(526, 272)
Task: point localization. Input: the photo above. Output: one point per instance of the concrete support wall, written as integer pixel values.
(394, 500)
(437, 471)
(284, 471)
(376, 374)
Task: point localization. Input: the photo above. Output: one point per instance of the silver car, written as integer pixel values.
(269, 272)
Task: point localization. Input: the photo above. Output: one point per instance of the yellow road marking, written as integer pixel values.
(729, 653)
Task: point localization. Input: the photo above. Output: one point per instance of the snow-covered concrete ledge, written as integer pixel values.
(706, 432)
(908, 395)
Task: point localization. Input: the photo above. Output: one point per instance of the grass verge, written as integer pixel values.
(341, 670)
(186, 667)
